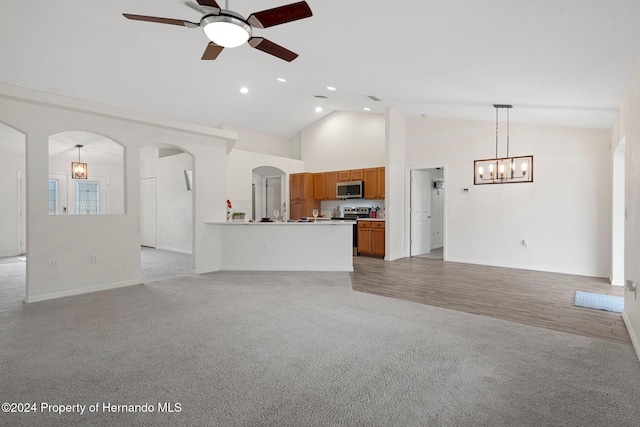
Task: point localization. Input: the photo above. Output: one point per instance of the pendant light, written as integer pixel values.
(503, 170)
(79, 169)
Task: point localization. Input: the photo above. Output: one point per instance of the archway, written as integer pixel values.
(268, 189)
(167, 195)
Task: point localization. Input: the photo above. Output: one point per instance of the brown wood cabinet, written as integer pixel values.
(371, 238)
(330, 181)
(301, 195)
(344, 176)
(381, 183)
(374, 183)
(319, 186)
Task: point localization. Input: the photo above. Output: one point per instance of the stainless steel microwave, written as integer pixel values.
(350, 190)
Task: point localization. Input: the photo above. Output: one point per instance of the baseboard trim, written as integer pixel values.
(180, 251)
(80, 291)
(532, 268)
(632, 333)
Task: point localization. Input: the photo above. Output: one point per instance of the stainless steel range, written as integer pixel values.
(353, 213)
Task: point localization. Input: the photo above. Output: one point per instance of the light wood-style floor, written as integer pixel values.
(530, 297)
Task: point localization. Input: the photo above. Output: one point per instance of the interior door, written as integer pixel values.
(148, 212)
(420, 212)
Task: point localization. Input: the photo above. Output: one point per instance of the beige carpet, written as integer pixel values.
(296, 349)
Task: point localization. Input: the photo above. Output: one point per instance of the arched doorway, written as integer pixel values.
(268, 189)
(167, 195)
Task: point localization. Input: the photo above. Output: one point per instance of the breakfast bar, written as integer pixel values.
(285, 246)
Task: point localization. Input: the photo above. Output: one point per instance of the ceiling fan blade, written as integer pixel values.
(212, 51)
(170, 21)
(211, 3)
(271, 48)
(280, 15)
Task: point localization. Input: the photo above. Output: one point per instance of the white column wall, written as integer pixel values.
(628, 128)
(396, 190)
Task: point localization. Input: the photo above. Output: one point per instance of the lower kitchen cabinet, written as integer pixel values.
(371, 240)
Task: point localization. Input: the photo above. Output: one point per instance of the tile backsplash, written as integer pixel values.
(327, 207)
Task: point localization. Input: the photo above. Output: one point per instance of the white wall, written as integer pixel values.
(564, 215)
(174, 204)
(628, 128)
(263, 143)
(239, 175)
(12, 160)
(344, 140)
(115, 239)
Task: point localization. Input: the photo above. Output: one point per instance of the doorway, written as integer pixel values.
(268, 192)
(427, 225)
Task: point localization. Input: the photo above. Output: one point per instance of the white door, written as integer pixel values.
(148, 212)
(59, 192)
(420, 212)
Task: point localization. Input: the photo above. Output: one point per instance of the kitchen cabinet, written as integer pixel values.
(319, 186)
(330, 180)
(344, 176)
(371, 238)
(324, 186)
(381, 183)
(351, 175)
(301, 197)
(374, 183)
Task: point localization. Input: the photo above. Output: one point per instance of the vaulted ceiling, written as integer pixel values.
(558, 62)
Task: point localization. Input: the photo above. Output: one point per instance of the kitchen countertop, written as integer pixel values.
(371, 219)
(280, 223)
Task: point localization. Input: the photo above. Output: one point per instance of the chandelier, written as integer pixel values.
(503, 170)
(78, 169)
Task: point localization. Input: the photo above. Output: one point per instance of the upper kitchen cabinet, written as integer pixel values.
(351, 175)
(300, 186)
(319, 186)
(374, 183)
(324, 186)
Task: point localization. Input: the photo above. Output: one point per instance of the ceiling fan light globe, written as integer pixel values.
(226, 31)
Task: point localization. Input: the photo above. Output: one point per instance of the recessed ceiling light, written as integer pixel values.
(281, 80)
(331, 88)
(318, 109)
(366, 108)
(244, 90)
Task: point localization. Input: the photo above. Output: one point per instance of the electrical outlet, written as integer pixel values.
(94, 259)
(54, 264)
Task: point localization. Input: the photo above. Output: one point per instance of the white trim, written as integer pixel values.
(73, 292)
(632, 333)
(181, 251)
(598, 274)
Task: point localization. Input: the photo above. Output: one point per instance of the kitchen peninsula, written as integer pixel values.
(285, 246)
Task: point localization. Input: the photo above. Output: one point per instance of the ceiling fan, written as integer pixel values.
(226, 28)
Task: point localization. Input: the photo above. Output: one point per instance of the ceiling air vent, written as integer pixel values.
(321, 96)
(375, 98)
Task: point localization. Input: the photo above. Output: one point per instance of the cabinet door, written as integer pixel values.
(364, 240)
(371, 183)
(344, 176)
(295, 186)
(357, 175)
(319, 186)
(377, 241)
(298, 209)
(381, 183)
(330, 179)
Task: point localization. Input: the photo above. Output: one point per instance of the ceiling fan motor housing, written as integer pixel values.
(227, 29)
